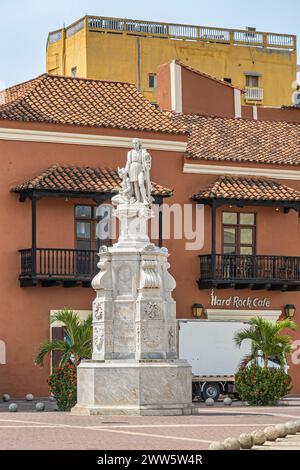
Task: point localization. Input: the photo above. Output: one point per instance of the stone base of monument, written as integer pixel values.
(134, 388)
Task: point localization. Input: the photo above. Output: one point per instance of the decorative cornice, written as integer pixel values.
(241, 315)
(204, 169)
(27, 135)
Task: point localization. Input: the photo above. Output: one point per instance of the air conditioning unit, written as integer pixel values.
(296, 98)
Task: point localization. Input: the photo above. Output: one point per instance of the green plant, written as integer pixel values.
(262, 386)
(63, 385)
(77, 343)
(266, 341)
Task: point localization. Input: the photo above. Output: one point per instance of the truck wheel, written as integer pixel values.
(211, 390)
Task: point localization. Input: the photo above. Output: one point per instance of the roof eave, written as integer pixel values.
(246, 202)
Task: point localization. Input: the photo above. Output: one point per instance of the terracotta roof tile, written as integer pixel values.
(80, 179)
(242, 140)
(247, 188)
(294, 106)
(84, 102)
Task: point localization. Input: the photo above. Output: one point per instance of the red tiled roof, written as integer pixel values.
(75, 179)
(241, 140)
(206, 75)
(247, 188)
(294, 106)
(84, 102)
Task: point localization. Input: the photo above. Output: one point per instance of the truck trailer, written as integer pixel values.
(209, 348)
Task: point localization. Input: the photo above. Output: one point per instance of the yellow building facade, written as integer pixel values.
(263, 64)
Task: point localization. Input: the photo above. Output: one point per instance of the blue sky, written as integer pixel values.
(24, 24)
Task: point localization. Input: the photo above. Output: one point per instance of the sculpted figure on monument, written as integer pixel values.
(136, 184)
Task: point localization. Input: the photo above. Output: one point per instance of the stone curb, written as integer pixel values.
(258, 437)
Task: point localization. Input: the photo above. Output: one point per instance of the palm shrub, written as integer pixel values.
(76, 345)
(263, 385)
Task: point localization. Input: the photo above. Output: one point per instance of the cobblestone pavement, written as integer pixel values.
(29, 429)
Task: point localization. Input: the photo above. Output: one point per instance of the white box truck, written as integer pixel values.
(210, 349)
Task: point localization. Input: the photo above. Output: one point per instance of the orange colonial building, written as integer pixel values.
(61, 141)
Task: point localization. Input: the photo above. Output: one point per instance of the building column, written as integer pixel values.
(33, 235)
(160, 223)
(213, 241)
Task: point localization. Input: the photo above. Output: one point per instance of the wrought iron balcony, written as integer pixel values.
(249, 272)
(57, 266)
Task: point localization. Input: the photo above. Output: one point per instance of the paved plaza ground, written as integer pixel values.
(28, 429)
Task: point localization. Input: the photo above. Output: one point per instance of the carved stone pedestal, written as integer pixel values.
(134, 367)
(134, 388)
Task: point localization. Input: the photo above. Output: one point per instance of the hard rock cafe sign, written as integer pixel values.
(235, 301)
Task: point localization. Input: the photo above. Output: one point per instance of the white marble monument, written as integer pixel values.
(134, 367)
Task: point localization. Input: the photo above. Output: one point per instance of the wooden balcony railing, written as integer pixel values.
(254, 93)
(253, 271)
(180, 31)
(54, 266)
